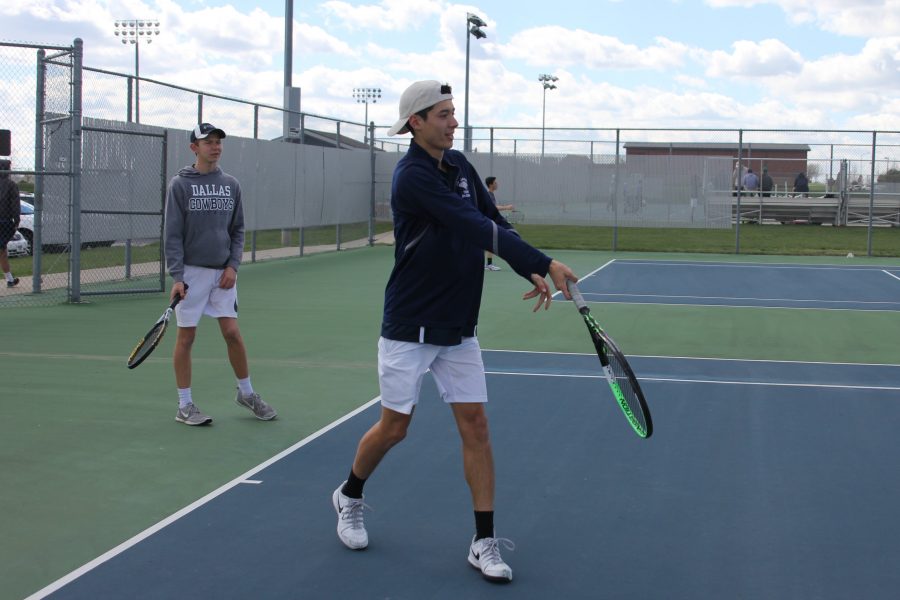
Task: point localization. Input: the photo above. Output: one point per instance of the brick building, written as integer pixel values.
(783, 161)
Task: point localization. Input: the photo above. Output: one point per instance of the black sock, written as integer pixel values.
(484, 524)
(354, 486)
(490, 261)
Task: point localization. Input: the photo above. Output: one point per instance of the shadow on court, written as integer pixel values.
(748, 489)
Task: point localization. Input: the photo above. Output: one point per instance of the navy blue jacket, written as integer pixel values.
(443, 223)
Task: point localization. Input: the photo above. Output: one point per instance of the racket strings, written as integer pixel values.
(146, 345)
(623, 379)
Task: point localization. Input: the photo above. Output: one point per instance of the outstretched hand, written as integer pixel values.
(559, 273)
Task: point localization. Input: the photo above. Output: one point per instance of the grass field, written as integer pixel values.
(799, 240)
(809, 240)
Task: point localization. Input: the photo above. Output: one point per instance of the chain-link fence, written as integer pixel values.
(93, 151)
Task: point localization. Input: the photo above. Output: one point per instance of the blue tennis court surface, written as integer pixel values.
(762, 480)
(743, 284)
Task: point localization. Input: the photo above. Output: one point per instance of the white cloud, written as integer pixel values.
(555, 45)
(863, 18)
(691, 82)
(753, 59)
(388, 15)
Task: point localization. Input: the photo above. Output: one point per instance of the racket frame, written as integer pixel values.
(604, 345)
(158, 330)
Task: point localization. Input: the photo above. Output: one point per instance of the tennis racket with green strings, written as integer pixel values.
(618, 372)
(150, 341)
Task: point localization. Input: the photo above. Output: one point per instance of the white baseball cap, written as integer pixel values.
(417, 97)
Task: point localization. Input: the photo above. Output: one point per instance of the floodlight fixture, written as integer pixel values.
(132, 32)
(475, 31)
(364, 96)
(545, 79)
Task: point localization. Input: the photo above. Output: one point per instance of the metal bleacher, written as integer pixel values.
(846, 208)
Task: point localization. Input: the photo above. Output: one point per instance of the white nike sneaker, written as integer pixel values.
(350, 527)
(484, 554)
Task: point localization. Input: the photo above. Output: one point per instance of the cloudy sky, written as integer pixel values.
(829, 64)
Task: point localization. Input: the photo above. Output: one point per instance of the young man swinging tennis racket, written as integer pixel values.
(444, 220)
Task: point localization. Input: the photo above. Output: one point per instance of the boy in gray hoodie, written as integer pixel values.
(204, 242)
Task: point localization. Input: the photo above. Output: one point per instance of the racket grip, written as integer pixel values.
(577, 298)
(178, 298)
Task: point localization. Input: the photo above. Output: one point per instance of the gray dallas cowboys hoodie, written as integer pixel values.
(204, 221)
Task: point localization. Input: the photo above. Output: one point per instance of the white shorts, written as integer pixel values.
(205, 297)
(457, 370)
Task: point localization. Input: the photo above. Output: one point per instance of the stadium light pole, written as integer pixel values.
(363, 95)
(546, 80)
(473, 28)
(134, 31)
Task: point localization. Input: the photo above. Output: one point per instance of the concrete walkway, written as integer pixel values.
(53, 281)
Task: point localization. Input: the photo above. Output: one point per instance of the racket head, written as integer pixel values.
(618, 372)
(148, 343)
(624, 385)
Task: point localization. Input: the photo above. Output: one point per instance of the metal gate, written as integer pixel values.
(94, 221)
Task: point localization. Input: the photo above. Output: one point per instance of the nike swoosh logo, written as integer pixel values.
(476, 555)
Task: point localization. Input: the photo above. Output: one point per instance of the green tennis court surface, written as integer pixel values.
(92, 454)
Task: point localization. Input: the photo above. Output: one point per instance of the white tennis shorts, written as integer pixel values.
(205, 297)
(457, 370)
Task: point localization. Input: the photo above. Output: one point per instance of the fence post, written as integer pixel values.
(871, 197)
(163, 184)
(371, 183)
(36, 236)
(615, 198)
(75, 154)
(739, 185)
(492, 152)
(255, 137)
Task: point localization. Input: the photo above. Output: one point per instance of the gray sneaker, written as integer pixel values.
(191, 415)
(256, 405)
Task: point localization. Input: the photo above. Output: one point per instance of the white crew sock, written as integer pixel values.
(184, 397)
(244, 385)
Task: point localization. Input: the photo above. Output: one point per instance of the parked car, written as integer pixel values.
(17, 246)
(26, 222)
(26, 226)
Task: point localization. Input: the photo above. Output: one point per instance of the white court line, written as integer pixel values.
(595, 271)
(743, 298)
(252, 481)
(891, 310)
(713, 381)
(59, 583)
(752, 265)
(891, 274)
(751, 360)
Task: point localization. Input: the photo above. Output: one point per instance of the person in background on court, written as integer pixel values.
(444, 220)
(801, 185)
(204, 243)
(492, 186)
(766, 184)
(750, 182)
(10, 215)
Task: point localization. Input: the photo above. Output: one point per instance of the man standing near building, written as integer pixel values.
(766, 184)
(751, 181)
(204, 244)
